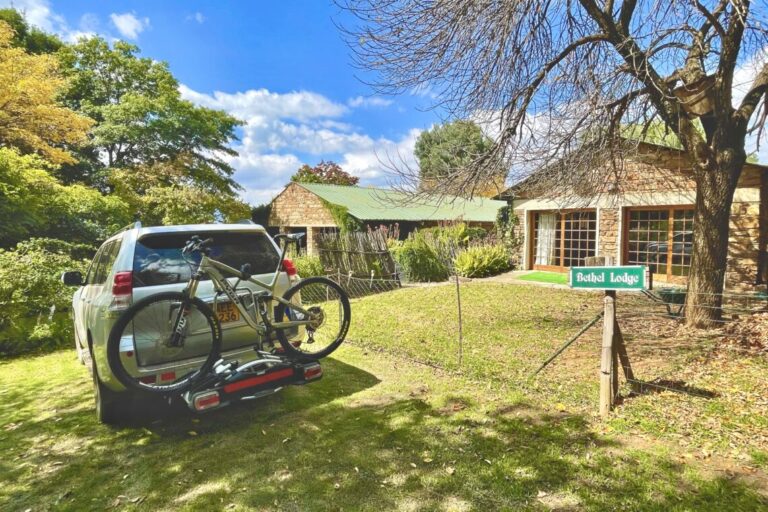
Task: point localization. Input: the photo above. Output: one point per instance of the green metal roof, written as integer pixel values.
(367, 203)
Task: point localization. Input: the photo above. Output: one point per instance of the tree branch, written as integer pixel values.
(730, 44)
(625, 16)
(712, 18)
(542, 75)
(752, 98)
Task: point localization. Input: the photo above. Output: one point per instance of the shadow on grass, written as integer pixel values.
(678, 386)
(336, 445)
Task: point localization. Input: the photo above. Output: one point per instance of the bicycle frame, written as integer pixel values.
(217, 272)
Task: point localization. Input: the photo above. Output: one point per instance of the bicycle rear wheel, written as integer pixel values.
(148, 351)
(328, 307)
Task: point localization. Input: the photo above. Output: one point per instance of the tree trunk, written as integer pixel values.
(715, 187)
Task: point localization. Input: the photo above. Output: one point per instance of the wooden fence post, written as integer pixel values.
(608, 370)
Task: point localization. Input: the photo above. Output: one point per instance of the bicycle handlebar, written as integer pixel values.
(195, 244)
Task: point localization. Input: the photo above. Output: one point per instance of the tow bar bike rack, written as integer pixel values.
(230, 382)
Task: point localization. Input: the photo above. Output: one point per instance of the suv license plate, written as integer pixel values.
(227, 312)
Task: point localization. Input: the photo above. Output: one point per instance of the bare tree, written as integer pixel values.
(557, 77)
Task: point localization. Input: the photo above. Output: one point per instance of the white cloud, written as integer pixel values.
(373, 163)
(128, 24)
(368, 101)
(282, 126)
(38, 13)
(198, 17)
(255, 103)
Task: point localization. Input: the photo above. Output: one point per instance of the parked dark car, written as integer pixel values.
(682, 243)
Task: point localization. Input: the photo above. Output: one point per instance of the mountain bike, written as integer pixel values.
(314, 313)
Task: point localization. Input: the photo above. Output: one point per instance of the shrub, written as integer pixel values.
(419, 259)
(506, 230)
(308, 266)
(482, 261)
(460, 234)
(34, 304)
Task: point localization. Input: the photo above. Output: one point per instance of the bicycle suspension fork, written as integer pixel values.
(180, 322)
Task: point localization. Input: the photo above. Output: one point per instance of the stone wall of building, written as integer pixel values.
(608, 233)
(520, 230)
(298, 207)
(743, 246)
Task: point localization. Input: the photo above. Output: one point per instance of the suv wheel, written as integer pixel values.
(111, 408)
(80, 351)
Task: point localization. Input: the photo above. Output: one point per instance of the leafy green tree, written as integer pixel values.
(448, 152)
(163, 193)
(30, 117)
(34, 303)
(329, 173)
(141, 118)
(34, 203)
(31, 39)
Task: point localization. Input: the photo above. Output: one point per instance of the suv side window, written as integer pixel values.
(94, 266)
(106, 261)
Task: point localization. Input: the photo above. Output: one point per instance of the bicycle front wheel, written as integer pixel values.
(327, 309)
(164, 343)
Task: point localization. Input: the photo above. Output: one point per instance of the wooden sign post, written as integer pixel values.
(613, 351)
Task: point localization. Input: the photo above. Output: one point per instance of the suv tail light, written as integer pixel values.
(122, 289)
(206, 400)
(289, 267)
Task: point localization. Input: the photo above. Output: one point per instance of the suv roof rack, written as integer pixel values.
(133, 225)
(245, 221)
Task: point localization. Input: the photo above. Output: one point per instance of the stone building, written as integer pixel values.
(645, 218)
(313, 208)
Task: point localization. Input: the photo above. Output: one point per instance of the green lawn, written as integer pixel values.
(509, 330)
(545, 277)
(381, 432)
(376, 433)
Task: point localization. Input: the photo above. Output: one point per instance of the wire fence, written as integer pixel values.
(677, 375)
(357, 287)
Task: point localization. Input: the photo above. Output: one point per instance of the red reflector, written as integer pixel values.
(206, 401)
(150, 379)
(313, 372)
(255, 381)
(168, 376)
(289, 267)
(123, 283)
(129, 353)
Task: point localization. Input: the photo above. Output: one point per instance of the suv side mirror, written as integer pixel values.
(73, 278)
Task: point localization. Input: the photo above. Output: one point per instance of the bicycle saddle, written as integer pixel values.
(290, 237)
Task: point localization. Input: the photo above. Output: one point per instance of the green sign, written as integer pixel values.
(609, 278)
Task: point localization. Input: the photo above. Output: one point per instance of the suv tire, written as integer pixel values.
(111, 408)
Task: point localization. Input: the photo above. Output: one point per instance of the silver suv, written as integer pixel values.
(140, 261)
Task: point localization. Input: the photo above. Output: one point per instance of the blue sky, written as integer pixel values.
(283, 68)
(280, 66)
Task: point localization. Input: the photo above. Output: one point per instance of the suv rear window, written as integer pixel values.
(157, 259)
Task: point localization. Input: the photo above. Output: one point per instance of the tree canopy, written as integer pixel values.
(450, 149)
(141, 118)
(31, 119)
(31, 39)
(329, 173)
(34, 204)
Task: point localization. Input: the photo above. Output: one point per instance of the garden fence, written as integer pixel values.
(357, 254)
